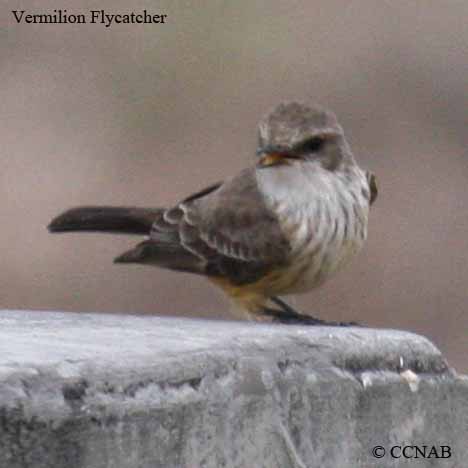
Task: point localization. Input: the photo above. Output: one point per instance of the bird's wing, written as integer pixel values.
(229, 228)
(373, 190)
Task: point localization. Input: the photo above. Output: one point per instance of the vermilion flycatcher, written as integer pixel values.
(282, 226)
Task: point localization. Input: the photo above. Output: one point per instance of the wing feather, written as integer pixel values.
(229, 227)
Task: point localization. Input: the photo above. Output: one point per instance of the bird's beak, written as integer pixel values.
(271, 156)
(272, 159)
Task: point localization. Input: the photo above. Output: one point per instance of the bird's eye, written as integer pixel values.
(313, 145)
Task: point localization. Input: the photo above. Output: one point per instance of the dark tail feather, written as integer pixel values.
(166, 255)
(117, 220)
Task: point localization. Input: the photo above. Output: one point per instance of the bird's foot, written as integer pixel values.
(289, 316)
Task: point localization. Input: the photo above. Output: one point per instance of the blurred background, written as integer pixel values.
(146, 114)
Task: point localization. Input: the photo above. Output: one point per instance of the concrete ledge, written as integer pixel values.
(95, 391)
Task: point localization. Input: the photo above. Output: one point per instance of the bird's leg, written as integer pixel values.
(285, 306)
(280, 316)
(288, 315)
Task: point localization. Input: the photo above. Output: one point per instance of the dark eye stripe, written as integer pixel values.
(312, 145)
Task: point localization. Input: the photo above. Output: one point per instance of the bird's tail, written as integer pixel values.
(116, 220)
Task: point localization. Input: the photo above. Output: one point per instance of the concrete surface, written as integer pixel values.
(95, 391)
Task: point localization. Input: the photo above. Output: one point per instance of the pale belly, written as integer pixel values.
(312, 271)
(325, 218)
(334, 241)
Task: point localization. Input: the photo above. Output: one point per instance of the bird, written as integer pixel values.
(283, 225)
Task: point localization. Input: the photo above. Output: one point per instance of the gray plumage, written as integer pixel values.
(283, 225)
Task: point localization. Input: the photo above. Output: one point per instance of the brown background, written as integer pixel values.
(146, 114)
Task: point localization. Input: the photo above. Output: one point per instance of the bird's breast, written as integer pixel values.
(326, 225)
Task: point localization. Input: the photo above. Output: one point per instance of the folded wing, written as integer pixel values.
(224, 231)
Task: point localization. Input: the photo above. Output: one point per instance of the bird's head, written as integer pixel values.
(293, 131)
